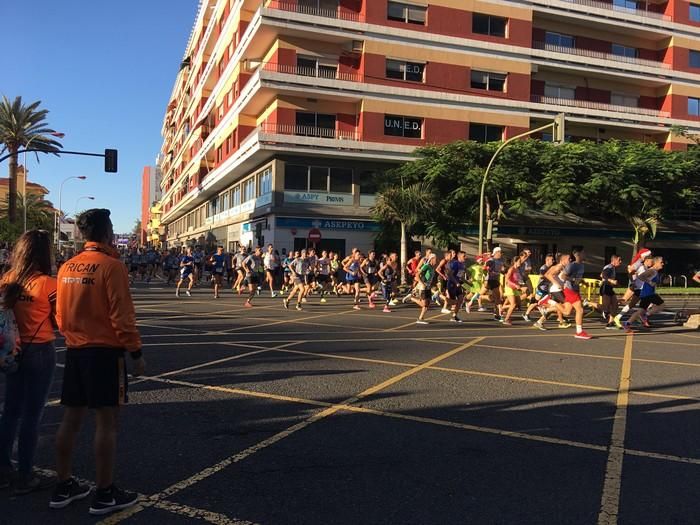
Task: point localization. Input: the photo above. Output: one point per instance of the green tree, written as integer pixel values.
(23, 126)
(40, 216)
(405, 205)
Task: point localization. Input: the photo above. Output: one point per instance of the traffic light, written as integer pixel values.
(559, 131)
(110, 160)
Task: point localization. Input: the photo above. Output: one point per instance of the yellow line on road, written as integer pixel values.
(610, 501)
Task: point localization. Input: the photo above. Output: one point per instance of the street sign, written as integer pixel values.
(314, 235)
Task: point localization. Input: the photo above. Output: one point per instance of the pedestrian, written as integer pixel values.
(30, 291)
(95, 313)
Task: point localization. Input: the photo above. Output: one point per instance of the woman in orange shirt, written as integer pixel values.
(30, 291)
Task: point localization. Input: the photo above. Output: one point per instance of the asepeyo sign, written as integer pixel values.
(323, 199)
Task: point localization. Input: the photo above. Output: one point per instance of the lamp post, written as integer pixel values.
(58, 215)
(88, 197)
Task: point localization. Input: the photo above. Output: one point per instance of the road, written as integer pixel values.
(335, 416)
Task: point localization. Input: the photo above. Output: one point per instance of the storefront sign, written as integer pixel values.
(324, 199)
(326, 224)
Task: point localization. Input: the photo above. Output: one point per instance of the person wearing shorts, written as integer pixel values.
(512, 290)
(299, 269)
(186, 273)
(252, 266)
(95, 313)
(608, 281)
(494, 269)
(425, 277)
(370, 268)
(650, 302)
(353, 276)
(455, 273)
(218, 264)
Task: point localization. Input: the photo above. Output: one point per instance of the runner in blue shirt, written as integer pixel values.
(218, 263)
(186, 272)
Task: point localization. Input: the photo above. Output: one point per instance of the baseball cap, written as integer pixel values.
(496, 250)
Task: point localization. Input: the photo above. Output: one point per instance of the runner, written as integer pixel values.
(441, 271)
(456, 270)
(335, 272)
(608, 298)
(324, 271)
(143, 264)
(631, 295)
(650, 302)
(542, 294)
(425, 276)
(477, 276)
(299, 269)
(198, 259)
(171, 264)
(526, 292)
(412, 267)
(186, 272)
(288, 280)
(494, 270)
(513, 285)
(388, 271)
(370, 267)
(238, 263)
(353, 276)
(569, 279)
(252, 266)
(218, 263)
(271, 263)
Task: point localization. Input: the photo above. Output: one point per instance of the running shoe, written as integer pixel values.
(26, 483)
(304, 300)
(393, 302)
(356, 307)
(611, 326)
(217, 297)
(501, 319)
(527, 319)
(645, 322)
(298, 307)
(177, 294)
(539, 326)
(274, 295)
(582, 335)
(506, 322)
(323, 300)
(371, 305)
(618, 321)
(585, 303)
(421, 321)
(248, 304)
(286, 304)
(627, 327)
(188, 293)
(481, 309)
(456, 320)
(565, 324)
(111, 500)
(497, 318)
(387, 310)
(67, 492)
(468, 307)
(445, 311)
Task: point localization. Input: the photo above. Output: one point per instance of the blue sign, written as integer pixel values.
(327, 224)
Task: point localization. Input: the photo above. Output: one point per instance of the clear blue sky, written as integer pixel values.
(104, 69)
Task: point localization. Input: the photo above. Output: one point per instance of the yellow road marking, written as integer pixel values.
(610, 501)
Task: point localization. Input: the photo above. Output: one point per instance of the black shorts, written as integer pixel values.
(322, 278)
(608, 290)
(493, 284)
(645, 302)
(95, 378)
(302, 279)
(425, 295)
(252, 278)
(371, 279)
(454, 292)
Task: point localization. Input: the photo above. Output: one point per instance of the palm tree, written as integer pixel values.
(23, 126)
(405, 206)
(40, 212)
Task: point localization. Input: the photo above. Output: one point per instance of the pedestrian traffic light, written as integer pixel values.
(559, 132)
(110, 161)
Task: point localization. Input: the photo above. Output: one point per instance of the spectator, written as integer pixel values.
(30, 291)
(96, 315)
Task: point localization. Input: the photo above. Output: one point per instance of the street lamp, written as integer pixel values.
(88, 197)
(58, 215)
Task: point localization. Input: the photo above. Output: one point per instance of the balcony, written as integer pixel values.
(597, 54)
(621, 9)
(326, 73)
(310, 131)
(585, 104)
(304, 8)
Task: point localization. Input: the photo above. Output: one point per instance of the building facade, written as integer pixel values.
(150, 199)
(285, 113)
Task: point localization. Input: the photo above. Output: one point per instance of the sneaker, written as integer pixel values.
(582, 335)
(421, 321)
(67, 492)
(386, 310)
(501, 319)
(611, 326)
(539, 326)
(304, 300)
(286, 304)
(456, 320)
(323, 300)
(527, 319)
(496, 317)
(645, 322)
(627, 327)
(506, 322)
(356, 307)
(177, 294)
(481, 309)
(188, 293)
(393, 302)
(111, 500)
(565, 324)
(217, 297)
(468, 308)
(445, 311)
(618, 321)
(248, 304)
(371, 305)
(298, 307)
(274, 295)
(24, 484)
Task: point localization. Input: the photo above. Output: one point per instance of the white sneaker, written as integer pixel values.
(445, 311)
(421, 321)
(188, 293)
(481, 309)
(393, 302)
(177, 294)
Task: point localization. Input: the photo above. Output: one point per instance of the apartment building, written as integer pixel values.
(285, 113)
(150, 205)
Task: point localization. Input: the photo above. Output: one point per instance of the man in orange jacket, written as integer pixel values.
(95, 313)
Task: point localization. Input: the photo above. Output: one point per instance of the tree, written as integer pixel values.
(137, 230)
(23, 126)
(406, 206)
(40, 216)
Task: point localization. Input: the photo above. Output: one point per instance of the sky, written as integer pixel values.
(105, 71)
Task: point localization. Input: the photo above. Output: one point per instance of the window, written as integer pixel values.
(236, 196)
(213, 207)
(410, 14)
(340, 180)
(488, 81)
(694, 107)
(296, 177)
(315, 125)
(625, 4)
(368, 183)
(622, 99)
(318, 179)
(412, 71)
(489, 25)
(624, 51)
(555, 91)
(398, 126)
(312, 67)
(485, 133)
(695, 12)
(265, 182)
(694, 58)
(224, 201)
(557, 39)
(249, 190)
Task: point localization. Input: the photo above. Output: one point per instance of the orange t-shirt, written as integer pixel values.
(34, 308)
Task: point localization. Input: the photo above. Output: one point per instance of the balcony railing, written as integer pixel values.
(309, 131)
(597, 54)
(300, 7)
(585, 104)
(625, 10)
(313, 72)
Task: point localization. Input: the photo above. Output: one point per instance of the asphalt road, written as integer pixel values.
(335, 416)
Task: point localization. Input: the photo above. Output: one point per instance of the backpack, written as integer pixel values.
(9, 341)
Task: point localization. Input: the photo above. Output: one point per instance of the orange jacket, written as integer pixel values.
(94, 306)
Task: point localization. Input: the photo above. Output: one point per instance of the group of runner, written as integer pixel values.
(553, 293)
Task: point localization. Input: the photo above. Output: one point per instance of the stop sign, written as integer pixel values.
(314, 235)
